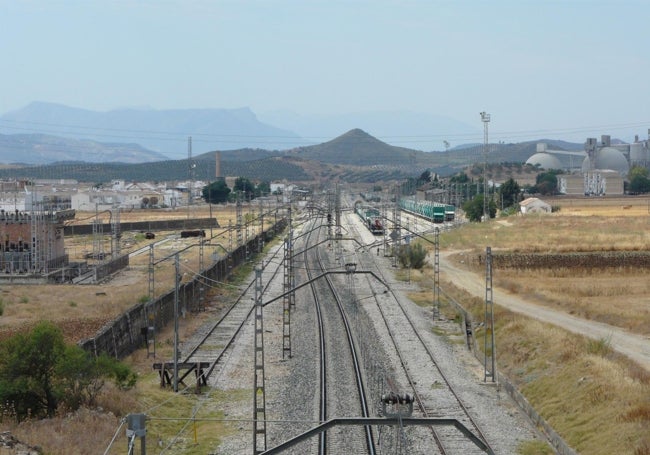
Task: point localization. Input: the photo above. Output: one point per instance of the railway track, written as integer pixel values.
(434, 394)
(212, 342)
(343, 348)
(322, 399)
(340, 365)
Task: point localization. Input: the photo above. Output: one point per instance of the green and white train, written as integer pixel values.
(435, 212)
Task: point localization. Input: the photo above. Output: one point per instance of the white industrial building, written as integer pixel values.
(599, 170)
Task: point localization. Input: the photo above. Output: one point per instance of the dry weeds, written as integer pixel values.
(81, 310)
(596, 400)
(620, 297)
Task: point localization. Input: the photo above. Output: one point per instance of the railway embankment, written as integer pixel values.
(130, 330)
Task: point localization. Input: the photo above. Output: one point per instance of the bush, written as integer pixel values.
(39, 373)
(412, 255)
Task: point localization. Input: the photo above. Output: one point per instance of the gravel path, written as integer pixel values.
(636, 347)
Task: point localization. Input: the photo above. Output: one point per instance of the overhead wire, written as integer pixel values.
(181, 136)
(200, 401)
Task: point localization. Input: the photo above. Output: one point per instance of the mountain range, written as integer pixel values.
(127, 146)
(354, 156)
(167, 132)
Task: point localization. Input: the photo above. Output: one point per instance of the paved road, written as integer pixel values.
(634, 346)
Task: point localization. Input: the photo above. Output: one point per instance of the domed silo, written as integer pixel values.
(639, 154)
(607, 158)
(545, 161)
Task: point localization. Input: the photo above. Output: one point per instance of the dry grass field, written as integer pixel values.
(616, 296)
(598, 401)
(81, 310)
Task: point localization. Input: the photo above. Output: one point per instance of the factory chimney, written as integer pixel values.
(218, 165)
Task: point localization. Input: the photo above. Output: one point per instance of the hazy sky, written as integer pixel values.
(540, 68)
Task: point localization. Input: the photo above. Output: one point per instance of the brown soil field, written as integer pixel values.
(81, 310)
(613, 295)
(607, 206)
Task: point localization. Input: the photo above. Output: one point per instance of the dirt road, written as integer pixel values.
(636, 347)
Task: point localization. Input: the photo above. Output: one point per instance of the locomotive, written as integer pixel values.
(371, 218)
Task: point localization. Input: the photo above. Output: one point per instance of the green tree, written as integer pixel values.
(216, 192)
(27, 371)
(425, 177)
(412, 255)
(461, 177)
(638, 171)
(39, 373)
(76, 377)
(639, 182)
(474, 208)
(509, 192)
(546, 182)
(243, 185)
(262, 189)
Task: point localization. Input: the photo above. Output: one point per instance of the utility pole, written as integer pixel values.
(190, 168)
(259, 393)
(485, 118)
(436, 275)
(176, 285)
(489, 344)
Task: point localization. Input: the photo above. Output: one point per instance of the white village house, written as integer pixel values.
(534, 205)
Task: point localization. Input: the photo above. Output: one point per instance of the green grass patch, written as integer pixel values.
(601, 346)
(534, 447)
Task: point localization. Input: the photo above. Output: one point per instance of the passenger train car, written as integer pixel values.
(432, 211)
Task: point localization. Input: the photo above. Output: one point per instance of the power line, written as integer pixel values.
(180, 136)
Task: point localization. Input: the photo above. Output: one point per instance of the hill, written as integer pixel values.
(164, 131)
(44, 149)
(358, 148)
(354, 156)
(401, 128)
(268, 169)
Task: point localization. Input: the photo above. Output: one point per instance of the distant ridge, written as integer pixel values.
(44, 149)
(164, 131)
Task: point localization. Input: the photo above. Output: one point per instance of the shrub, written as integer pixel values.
(412, 255)
(39, 373)
(601, 346)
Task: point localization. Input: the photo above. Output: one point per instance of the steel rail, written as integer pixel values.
(238, 329)
(370, 443)
(439, 370)
(322, 437)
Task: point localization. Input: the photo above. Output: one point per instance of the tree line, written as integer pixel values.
(219, 192)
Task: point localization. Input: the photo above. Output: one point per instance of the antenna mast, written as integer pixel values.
(190, 166)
